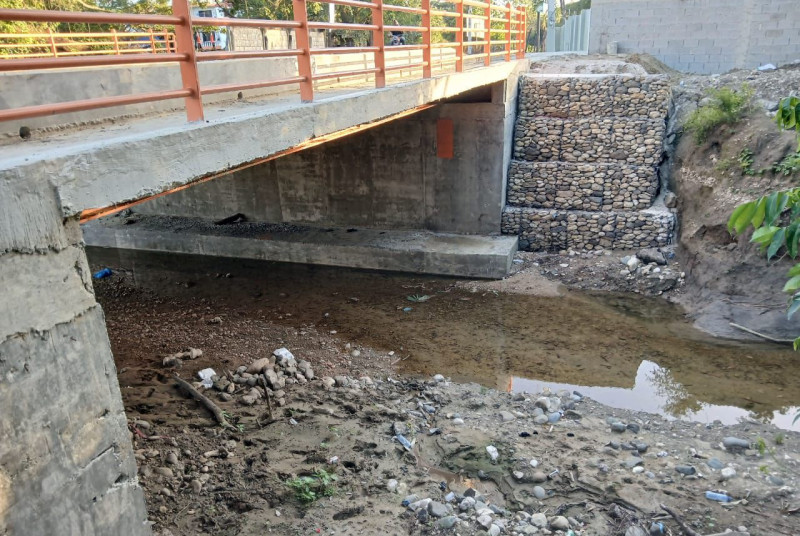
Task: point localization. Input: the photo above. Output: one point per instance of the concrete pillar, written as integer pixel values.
(66, 461)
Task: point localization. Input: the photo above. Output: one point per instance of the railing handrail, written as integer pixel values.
(180, 47)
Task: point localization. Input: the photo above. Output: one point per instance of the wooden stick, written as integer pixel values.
(757, 334)
(212, 407)
(679, 521)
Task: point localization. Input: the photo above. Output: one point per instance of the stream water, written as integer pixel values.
(622, 350)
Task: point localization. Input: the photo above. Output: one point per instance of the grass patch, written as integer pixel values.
(308, 489)
(727, 106)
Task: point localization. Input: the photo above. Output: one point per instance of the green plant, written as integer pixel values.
(308, 489)
(761, 446)
(746, 161)
(727, 106)
(780, 438)
(789, 165)
(724, 164)
(788, 116)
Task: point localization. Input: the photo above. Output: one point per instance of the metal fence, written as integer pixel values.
(503, 37)
(55, 44)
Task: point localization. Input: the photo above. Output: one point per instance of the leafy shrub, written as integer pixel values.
(727, 106)
(788, 116)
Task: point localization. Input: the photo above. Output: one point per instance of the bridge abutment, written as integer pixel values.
(66, 460)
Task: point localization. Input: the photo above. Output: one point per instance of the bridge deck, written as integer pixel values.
(110, 164)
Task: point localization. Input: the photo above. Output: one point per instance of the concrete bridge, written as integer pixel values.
(66, 461)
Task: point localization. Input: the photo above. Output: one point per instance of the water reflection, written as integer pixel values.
(655, 390)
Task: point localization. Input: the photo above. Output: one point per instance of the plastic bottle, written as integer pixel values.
(720, 497)
(403, 441)
(105, 272)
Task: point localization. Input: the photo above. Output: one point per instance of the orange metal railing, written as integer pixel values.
(505, 38)
(56, 44)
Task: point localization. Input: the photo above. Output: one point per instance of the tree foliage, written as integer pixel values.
(775, 218)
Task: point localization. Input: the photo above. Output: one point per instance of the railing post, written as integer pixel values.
(508, 30)
(303, 44)
(523, 33)
(52, 43)
(427, 39)
(460, 37)
(116, 41)
(378, 38)
(153, 41)
(487, 24)
(185, 45)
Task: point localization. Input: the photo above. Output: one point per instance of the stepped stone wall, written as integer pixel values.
(585, 162)
(554, 230)
(576, 186)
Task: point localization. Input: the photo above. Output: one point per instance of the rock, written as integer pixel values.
(506, 416)
(485, 521)
(438, 378)
(554, 417)
(258, 366)
(494, 530)
(633, 427)
(685, 469)
(638, 470)
(341, 381)
(447, 522)
(399, 428)
(539, 520)
(559, 523)
(284, 358)
(225, 397)
(248, 400)
(458, 421)
(492, 451)
(715, 463)
(467, 504)
(635, 531)
(774, 480)
(734, 443)
(437, 509)
(671, 200)
(727, 473)
(633, 263)
(538, 477)
(328, 382)
(196, 485)
(652, 255)
(519, 475)
(618, 427)
(633, 461)
(641, 447)
(172, 458)
(164, 471)
(422, 515)
(541, 419)
(539, 493)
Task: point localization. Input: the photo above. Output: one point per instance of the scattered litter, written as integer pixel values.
(205, 376)
(417, 298)
(334, 460)
(292, 422)
(403, 441)
(720, 497)
(492, 450)
(767, 67)
(407, 309)
(105, 272)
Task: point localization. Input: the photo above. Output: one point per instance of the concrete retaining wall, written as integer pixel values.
(700, 36)
(66, 461)
(556, 230)
(386, 177)
(565, 185)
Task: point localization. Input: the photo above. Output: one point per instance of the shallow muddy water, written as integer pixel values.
(624, 351)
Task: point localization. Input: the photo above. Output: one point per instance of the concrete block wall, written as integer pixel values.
(586, 153)
(700, 36)
(66, 460)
